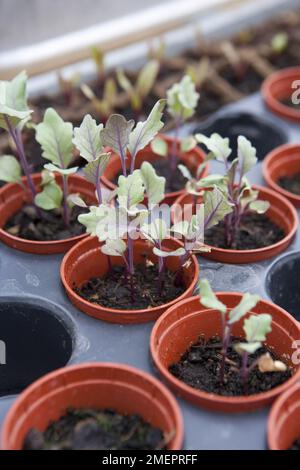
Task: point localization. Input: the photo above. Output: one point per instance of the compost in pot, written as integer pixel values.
(93, 429)
(290, 183)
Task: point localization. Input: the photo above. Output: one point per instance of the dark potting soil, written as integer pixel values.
(92, 429)
(290, 183)
(295, 445)
(200, 364)
(113, 290)
(288, 102)
(27, 224)
(255, 231)
(174, 182)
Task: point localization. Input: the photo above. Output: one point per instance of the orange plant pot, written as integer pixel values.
(279, 86)
(284, 420)
(93, 385)
(13, 197)
(180, 326)
(190, 159)
(282, 161)
(281, 212)
(85, 261)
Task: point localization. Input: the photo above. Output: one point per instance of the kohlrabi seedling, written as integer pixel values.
(68, 87)
(140, 90)
(256, 327)
(182, 100)
(233, 184)
(127, 139)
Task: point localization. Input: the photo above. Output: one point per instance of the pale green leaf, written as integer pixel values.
(256, 327)
(114, 247)
(123, 81)
(208, 297)
(76, 200)
(94, 169)
(50, 197)
(182, 228)
(55, 137)
(249, 348)
(187, 144)
(116, 134)
(182, 99)
(259, 206)
(91, 220)
(13, 101)
(246, 155)
(216, 207)
(61, 171)
(10, 169)
(167, 254)
(185, 171)
(146, 78)
(87, 138)
(154, 184)
(156, 231)
(160, 147)
(247, 303)
(130, 189)
(217, 145)
(145, 131)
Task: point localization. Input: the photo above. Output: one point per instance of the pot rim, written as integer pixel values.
(120, 311)
(42, 382)
(212, 398)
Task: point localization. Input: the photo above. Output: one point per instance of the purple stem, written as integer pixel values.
(226, 343)
(161, 267)
(173, 158)
(98, 185)
(66, 213)
(131, 266)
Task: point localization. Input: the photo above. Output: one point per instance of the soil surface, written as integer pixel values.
(92, 429)
(288, 102)
(114, 291)
(199, 368)
(29, 225)
(296, 445)
(290, 183)
(255, 231)
(175, 182)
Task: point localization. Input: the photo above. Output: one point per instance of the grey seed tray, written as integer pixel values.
(32, 282)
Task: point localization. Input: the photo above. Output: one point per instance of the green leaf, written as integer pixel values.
(55, 137)
(130, 190)
(185, 171)
(279, 42)
(212, 180)
(97, 216)
(217, 145)
(13, 101)
(182, 99)
(246, 155)
(247, 303)
(145, 131)
(187, 144)
(156, 231)
(10, 169)
(94, 169)
(182, 228)
(116, 134)
(160, 147)
(256, 327)
(50, 197)
(146, 78)
(87, 138)
(124, 82)
(216, 207)
(167, 254)
(258, 206)
(154, 184)
(249, 348)
(76, 200)
(114, 247)
(61, 171)
(208, 297)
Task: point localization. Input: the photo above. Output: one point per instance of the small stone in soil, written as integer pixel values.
(28, 225)
(92, 429)
(295, 445)
(290, 183)
(114, 291)
(199, 368)
(255, 231)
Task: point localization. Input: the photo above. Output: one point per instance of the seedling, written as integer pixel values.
(233, 184)
(256, 327)
(182, 100)
(98, 57)
(140, 90)
(279, 43)
(103, 106)
(68, 87)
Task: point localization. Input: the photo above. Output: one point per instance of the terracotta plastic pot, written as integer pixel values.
(181, 325)
(284, 420)
(93, 385)
(13, 197)
(191, 159)
(282, 161)
(281, 212)
(278, 87)
(85, 261)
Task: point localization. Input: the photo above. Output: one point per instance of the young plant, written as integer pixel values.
(68, 87)
(140, 90)
(98, 56)
(279, 43)
(103, 106)
(255, 327)
(233, 184)
(125, 138)
(182, 100)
